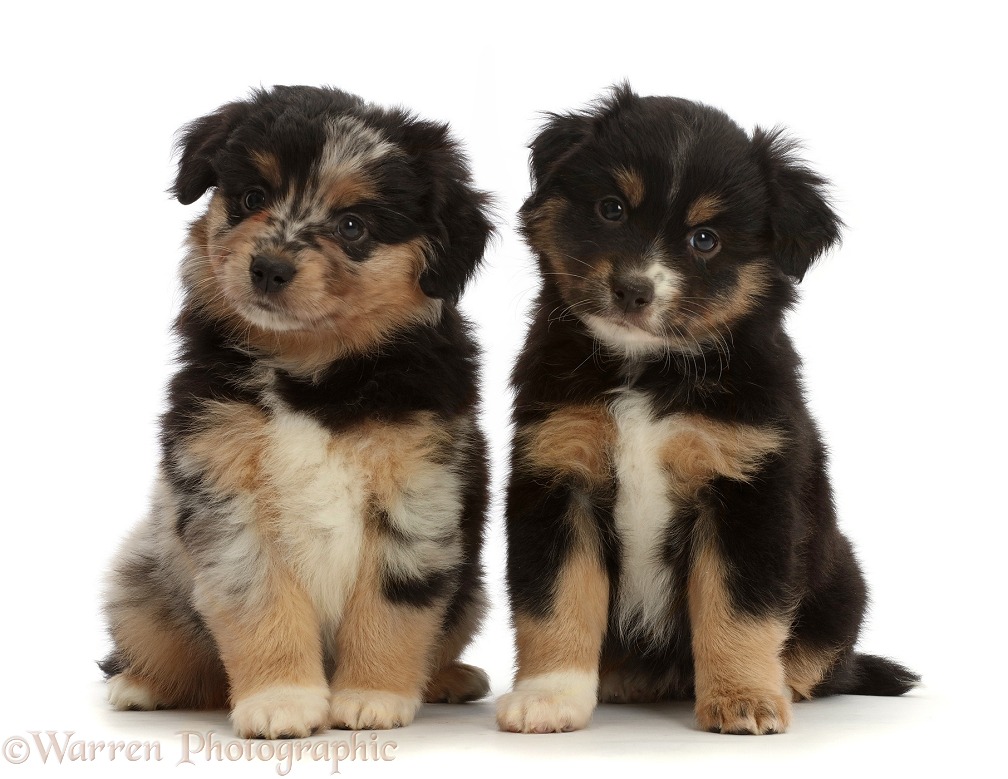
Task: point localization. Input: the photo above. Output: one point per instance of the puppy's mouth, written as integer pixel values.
(629, 304)
(269, 315)
(631, 332)
(630, 316)
(263, 297)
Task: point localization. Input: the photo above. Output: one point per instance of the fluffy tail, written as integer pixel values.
(867, 675)
(114, 664)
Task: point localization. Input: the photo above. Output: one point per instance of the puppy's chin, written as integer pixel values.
(271, 321)
(625, 339)
(636, 343)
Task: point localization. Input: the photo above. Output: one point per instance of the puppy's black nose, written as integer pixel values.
(270, 274)
(632, 294)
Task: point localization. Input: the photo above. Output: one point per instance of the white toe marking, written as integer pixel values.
(549, 703)
(371, 709)
(282, 711)
(124, 694)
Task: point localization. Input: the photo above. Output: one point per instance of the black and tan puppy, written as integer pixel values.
(311, 558)
(670, 524)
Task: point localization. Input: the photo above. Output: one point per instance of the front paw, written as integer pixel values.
(281, 712)
(551, 703)
(744, 713)
(371, 709)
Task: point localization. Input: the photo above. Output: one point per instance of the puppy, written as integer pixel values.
(670, 524)
(311, 558)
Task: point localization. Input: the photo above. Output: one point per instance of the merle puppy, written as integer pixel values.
(311, 558)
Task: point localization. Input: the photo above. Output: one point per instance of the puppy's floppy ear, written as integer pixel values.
(200, 141)
(457, 211)
(555, 141)
(562, 133)
(802, 221)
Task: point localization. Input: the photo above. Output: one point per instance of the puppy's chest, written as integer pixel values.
(314, 495)
(655, 467)
(654, 461)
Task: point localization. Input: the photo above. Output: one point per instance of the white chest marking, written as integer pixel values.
(320, 503)
(645, 509)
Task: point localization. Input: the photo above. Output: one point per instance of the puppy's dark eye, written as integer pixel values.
(350, 227)
(704, 241)
(611, 209)
(253, 199)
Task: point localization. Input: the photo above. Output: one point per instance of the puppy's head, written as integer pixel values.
(329, 216)
(664, 225)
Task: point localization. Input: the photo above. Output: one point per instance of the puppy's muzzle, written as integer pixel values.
(270, 274)
(631, 294)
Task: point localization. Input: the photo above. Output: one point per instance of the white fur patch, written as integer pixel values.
(350, 146)
(282, 712)
(320, 504)
(555, 702)
(124, 694)
(627, 340)
(371, 709)
(427, 513)
(643, 515)
(667, 283)
(633, 342)
(268, 320)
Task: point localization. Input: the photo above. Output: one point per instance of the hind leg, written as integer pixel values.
(161, 663)
(806, 666)
(453, 681)
(163, 656)
(827, 621)
(620, 685)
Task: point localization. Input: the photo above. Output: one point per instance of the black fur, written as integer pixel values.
(362, 338)
(776, 532)
(428, 181)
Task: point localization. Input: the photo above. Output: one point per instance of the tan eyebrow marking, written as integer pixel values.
(703, 209)
(632, 185)
(269, 166)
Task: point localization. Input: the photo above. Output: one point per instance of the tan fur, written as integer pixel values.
(345, 307)
(739, 675)
(346, 191)
(269, 167)
(751, 286)
(461, 635)
(457, 683)
(179, 672)
(541, 224)
(631, 184)
(804, 668)
(453, 681)
(701, 448)
(702, 210)
(573, 441)
(276, 643)
(390, 454)
(542, 229)
(577, 281)
(570, 636)
(228, 447)
(381, 645)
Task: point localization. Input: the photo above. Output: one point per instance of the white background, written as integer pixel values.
(900, 105)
